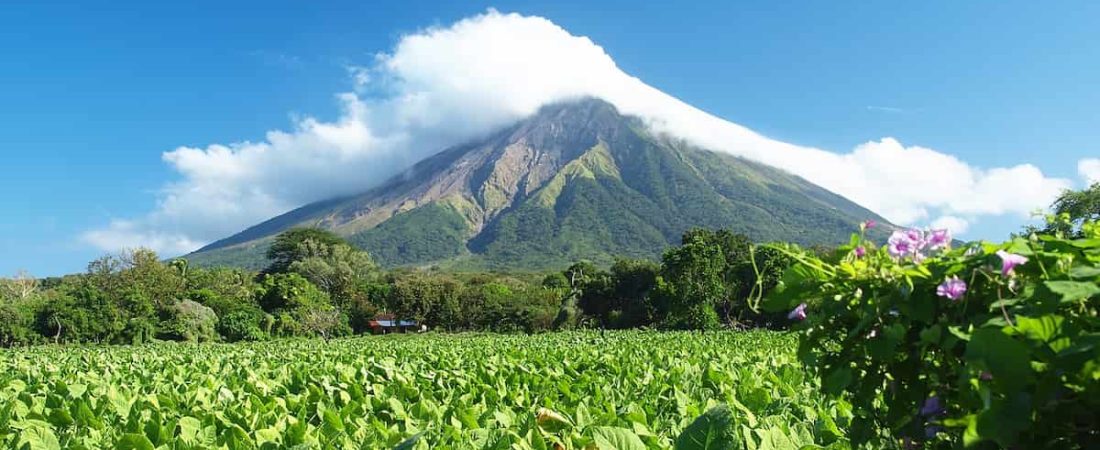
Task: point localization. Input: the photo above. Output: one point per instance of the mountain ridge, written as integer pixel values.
(577, 180)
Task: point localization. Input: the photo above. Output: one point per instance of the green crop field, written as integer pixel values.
(612, 390)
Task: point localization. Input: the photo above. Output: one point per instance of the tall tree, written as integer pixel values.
(693, 282)
(337, 269)
(291, 246)
(1073, 208)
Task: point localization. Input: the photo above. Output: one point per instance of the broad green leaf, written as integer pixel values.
(38, 438)
(1006, 358)
(1044, 329)
(1084, 272)
(837, 380)
(714, 430)
(1072, 291)
(613, 438)
(134, 442)
(189, 429)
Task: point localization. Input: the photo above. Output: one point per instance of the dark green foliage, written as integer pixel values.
(330, 289)
(429, 233)
(17, 325)
(299, 307)
(85, 314)
(245, 325)
(693, 283)
(428, 299)
(632, 281)
(620, 298)
(505, 305)
(582, 276)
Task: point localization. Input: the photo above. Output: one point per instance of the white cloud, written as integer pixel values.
(885, 109)
(360, 77)
(125, 234)
(443, 85)
(1089, 169)
(957, 225)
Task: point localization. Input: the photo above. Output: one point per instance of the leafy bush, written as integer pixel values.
(17, 323)
(982, 345)
(286, 292)
(191, 321)
(83, 314)
(244, 325)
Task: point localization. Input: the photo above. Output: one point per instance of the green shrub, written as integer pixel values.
(17, 323)
(989, 345)
(243, 325)
(191, 321)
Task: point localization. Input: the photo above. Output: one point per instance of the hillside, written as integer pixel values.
(575, 181)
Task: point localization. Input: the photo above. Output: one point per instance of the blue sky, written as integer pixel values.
(92, 96)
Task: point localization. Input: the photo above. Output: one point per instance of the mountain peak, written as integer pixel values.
(576, 180)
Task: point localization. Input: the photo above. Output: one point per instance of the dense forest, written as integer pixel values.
(317, 284)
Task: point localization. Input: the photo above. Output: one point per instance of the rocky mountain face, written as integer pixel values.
(577, 180)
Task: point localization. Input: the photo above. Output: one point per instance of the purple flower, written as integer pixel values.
(931, 407)
(985, 376)
(860, 251)
(869, 224)
(952, 288)
(798, 313)
(899, 244)
(939, 239)
(1009, 261)
(916, 237)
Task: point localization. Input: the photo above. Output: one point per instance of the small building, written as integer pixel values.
(388, 323)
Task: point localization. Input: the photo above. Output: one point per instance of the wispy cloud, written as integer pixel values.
(444, 85)
(360, 77)
(885, 109)
(277, 59)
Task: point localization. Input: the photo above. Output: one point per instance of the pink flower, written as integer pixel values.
(869, 224)
(916, 237)
(1009, 261)
(909, 242)
(899, 244)
(798, 313)
(939, 239)
(860, 251)
(953, 288)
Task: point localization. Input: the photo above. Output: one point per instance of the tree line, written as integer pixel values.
(318, 284)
